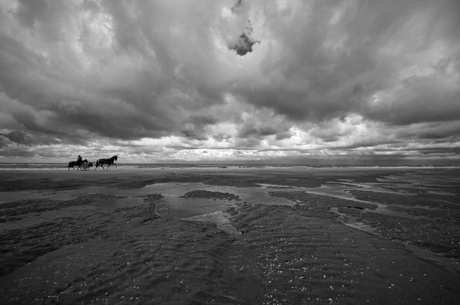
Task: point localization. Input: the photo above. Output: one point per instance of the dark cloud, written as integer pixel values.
(17, 137)
(243, 44)
(195, 127)
(258, 132)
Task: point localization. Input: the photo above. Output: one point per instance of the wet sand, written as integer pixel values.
(230, 236)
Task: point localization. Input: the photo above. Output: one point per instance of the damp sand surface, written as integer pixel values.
(230, 236)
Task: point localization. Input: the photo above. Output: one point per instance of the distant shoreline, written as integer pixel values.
(59, 165)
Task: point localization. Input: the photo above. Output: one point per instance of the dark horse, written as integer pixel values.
(72, 165)
(101, 162)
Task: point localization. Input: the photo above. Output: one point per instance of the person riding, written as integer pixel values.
(79, 160)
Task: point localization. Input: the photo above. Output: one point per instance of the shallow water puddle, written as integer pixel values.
(210, 207)
(252, 195)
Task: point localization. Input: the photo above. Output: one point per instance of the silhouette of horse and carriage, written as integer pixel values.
(86, 165)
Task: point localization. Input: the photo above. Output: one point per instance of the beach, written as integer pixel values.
(230, 235)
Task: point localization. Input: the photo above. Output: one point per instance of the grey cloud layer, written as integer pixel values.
(71, 71)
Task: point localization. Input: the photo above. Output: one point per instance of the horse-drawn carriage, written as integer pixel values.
(86, 165)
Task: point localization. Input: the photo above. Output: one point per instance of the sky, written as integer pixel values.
(225, 80)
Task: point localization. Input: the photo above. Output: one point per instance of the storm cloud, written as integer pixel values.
(215, 80)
